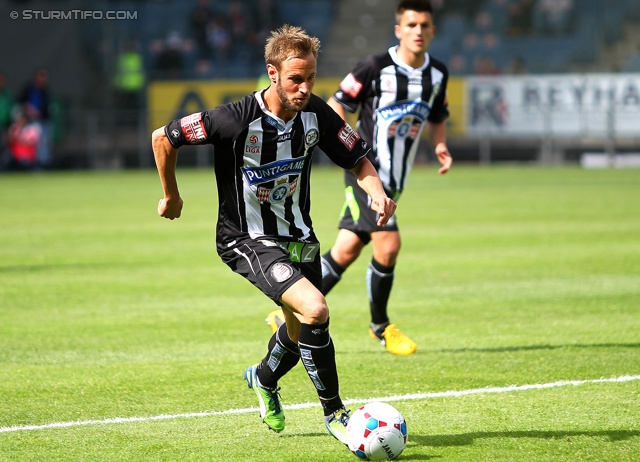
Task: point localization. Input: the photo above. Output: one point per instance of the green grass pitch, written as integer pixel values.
(509, 276)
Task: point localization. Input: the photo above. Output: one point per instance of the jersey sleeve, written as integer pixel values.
(208, 127)
(339, 141)
(440, 110)
(191, 129)
(355, 86)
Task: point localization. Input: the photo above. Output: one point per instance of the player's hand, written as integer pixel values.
(385, 208)
(170, 208)
(444, 157)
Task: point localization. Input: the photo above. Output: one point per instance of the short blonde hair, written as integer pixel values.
(289, 41)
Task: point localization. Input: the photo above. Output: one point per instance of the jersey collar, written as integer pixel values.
(273, 119)
(393, 52)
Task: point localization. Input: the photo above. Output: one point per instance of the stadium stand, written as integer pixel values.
(473, 37)
(466, 32)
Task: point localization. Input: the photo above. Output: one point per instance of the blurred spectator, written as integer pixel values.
(520, 18)
(485, 65)
(6, 103)
(470, 41)
(554, 16)
(437, 5)
(129, 80)
(203, 69)
(243, 36)
(36, 100)
(199, 21)
(170, 61)
(6, 106)
(457, 65)
(219, 39)
(517, 66)
(22, 140)
(239, 21)
(490, 41)
(264, 14)
(465, 7)
(483, 21)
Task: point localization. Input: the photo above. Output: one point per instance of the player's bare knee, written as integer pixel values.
(314, 312)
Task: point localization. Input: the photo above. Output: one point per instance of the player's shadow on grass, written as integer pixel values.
(503, 349)
(538, 347)
(466, 439)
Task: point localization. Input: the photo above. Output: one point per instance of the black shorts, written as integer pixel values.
(357, 216)
(274, 266)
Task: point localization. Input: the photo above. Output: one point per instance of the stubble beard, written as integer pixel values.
(286, 102)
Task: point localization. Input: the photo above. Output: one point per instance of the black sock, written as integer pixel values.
(283, 355)
(379, 283)
(319, 359)
(331, 273)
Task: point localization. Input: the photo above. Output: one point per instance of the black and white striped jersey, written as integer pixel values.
(395, 102)
(262, 164)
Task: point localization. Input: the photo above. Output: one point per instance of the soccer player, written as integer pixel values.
(263, 150)
(398, 92)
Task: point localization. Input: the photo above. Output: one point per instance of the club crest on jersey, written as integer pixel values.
(281, 272)
(279, 193)
(311, 137)
(193, 128)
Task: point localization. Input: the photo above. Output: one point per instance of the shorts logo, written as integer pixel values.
(175, 133)
(193, 128)
(281, 272)
(351, 86)
(348, 136)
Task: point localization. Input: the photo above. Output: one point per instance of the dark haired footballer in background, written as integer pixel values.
(398, 93)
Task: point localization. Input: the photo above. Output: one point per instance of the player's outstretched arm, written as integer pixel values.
(166, 156)
(438, 135)
(369, 180)
(336, 106)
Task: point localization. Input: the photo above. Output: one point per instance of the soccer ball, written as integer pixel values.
(377, 431)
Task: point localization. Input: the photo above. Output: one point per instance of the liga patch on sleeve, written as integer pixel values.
(193, 128)
(351, 86)
(348, 136)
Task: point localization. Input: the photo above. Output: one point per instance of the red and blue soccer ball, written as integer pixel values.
(377, 431)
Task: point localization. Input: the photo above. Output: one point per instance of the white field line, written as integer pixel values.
(409, 397)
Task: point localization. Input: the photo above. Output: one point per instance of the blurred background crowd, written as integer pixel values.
(55, 71)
